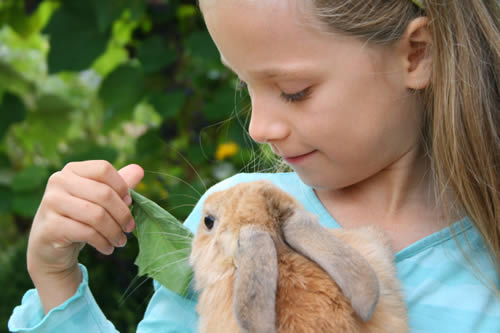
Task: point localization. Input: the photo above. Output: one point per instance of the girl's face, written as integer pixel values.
(336, 109)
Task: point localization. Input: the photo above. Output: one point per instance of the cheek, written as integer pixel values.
(359, 115)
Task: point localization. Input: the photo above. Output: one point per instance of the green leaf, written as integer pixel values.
(84, 152)
(154, 54)
(108, 11)
(75, 38)
(53, 103)
(120, 92)
(168, 105)
(5, 199)
(200, 45)
(164, 245)
(12, 111)
(221, 105)
(26, 203)
(30, 178)
(14, 81)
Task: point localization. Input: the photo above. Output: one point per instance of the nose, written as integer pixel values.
(267, 124)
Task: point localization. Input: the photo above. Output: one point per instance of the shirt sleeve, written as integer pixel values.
(168, 312)
(80, 310)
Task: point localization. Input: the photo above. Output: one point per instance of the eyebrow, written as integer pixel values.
(274, 72)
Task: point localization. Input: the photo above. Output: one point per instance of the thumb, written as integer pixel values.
(131, 174)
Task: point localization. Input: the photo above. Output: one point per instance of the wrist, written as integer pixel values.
(55, 288)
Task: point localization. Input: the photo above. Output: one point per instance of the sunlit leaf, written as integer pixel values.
(164, 245)
(14, 81)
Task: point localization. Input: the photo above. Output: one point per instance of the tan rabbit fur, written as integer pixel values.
(303, 297)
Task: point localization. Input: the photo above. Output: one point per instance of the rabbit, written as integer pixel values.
(262, 263)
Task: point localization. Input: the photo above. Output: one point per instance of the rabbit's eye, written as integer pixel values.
(209, 221)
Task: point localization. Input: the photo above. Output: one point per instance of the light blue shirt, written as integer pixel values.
(442, 292)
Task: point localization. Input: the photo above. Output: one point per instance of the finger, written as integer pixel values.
(70, 231)
(90, 214)
(93, 191)
(131, 174)
(100, 171)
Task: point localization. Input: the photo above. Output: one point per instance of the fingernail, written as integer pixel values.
(122, 241)
(130, 226)
(128, 200)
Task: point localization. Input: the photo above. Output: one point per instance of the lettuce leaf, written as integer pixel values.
(164, 245)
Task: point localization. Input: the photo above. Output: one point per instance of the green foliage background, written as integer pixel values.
(128, 81)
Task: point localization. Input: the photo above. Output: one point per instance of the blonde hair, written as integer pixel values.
(462, 119)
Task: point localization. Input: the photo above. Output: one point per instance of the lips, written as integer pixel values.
(298, 158)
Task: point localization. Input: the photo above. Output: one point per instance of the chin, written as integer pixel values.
(319, 181)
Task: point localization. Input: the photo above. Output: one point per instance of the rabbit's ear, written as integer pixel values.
(352, 273)
(256, 281)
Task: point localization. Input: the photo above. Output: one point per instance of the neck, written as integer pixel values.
(401, 192)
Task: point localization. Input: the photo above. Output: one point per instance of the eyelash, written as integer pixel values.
(289, 98)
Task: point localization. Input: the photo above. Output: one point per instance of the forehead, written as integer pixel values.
(263, 30)
(254, 36)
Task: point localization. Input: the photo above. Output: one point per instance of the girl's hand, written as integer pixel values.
(85, 202)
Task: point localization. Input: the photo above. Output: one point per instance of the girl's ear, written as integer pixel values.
(416, 45)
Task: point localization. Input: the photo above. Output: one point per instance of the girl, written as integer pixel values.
(388, 113)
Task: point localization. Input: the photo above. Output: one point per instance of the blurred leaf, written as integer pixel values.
(6, 176)
(168, 105)
(136, 8)
(154, 54)
(107, 12)
(14, 15)
(43, 130)
(13, 81)
(164, 245)
(200, 45)
(113, 57)
(92, 152)
(53, 103)
(12, 111)
(75, 38)
(26, 203)
(30, 178)
(221, 105)
(120, 92)
(5, 199)
(187, 11)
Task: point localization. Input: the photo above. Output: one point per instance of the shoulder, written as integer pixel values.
(287, 181)
(445, 279)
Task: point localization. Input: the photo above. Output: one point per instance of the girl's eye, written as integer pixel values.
(209, 221)
(296, 97)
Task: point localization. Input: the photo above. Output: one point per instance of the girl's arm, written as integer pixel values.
(85, 202)
(166, 312)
